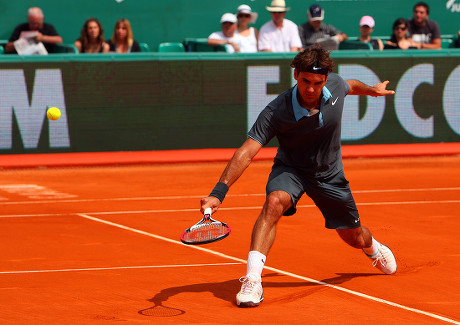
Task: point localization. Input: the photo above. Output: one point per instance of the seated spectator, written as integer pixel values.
(314, 31)
(423, 31)
(279, 34)
(366, 27)
(92, 38)
(46, 33)
(399, 39)
(227, 35)
(248, 34)
(122, 40)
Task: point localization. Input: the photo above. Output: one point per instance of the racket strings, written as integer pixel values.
(206, 231)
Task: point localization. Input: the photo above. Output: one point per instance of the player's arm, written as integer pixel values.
(235, 168)
(359, 88)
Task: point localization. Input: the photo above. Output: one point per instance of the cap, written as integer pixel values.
(367, 21)
(228, 17)
(315, 13)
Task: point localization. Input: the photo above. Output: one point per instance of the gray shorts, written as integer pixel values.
(332, 196)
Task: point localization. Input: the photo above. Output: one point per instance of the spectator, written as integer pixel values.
(248, 34)
(122, 40)
(279, 34)
(46, 33)
(423, 31)
(227, 36)
(314, 31)
(366, 27)
(92, 38)
(399, 40)
(457, 41)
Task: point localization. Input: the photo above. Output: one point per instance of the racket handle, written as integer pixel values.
(208, 211)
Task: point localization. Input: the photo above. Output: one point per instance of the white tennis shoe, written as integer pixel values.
(251, 293)
(384, 260)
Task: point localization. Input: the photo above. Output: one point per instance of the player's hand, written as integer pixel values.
(210, 202)
(381, 89)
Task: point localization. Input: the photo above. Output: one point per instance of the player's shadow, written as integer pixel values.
(227, 290)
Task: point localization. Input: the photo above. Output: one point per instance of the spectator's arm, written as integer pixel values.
(56, 39)
(217, 42)
(9, 47)
(342, 37)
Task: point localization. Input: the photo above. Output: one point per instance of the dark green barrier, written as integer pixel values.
(183, 101)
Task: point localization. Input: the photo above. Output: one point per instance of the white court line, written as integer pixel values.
(116, 268)
(356, 293)
(182, 197)
(221, 209)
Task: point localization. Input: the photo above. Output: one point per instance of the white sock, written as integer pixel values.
(373, 249)
(256, 261)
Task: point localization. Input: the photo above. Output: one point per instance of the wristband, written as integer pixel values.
(219, 191)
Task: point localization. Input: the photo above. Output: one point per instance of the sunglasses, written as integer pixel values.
(400, 28)
(244, 16)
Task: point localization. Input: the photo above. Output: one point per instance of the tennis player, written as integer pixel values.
(306, 119)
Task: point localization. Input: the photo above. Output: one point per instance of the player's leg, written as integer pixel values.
(264, 231)
(284, 189)
(336, 202)
(381, 255)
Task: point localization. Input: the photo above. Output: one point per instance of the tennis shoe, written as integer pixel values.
(251, 293)
(384, 260)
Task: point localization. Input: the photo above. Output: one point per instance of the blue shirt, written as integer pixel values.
(309, 143)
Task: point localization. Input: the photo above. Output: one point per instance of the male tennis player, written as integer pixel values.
(306, 119)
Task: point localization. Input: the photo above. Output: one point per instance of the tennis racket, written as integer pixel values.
(207, 230)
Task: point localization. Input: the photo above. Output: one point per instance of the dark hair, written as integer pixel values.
(304, 60)
(397, 22)
(423, 4)
(84, 39)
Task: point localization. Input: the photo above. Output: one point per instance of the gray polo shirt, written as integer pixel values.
(309, 143)
(310, 36)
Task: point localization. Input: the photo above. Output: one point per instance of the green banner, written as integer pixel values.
(162, 102)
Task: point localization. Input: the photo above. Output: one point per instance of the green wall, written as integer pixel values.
(189, 101)
(157, 21)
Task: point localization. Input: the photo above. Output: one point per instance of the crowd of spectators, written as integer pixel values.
(27, 35)
(282, 35)
(237, 35)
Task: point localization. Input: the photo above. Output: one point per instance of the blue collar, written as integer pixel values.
(299, 111)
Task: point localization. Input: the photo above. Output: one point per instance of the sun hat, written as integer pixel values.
(228, 17)
(245, 9)
(367, 21)
(278, 6)
(315, 12)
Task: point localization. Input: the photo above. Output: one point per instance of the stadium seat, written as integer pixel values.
(66, 48)
(201, 45)
(144, 47)
(171, 47)
(2, 49)
(355, 45)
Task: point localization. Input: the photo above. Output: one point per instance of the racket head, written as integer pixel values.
(206, 231)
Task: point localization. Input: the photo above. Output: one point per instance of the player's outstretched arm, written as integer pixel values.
(235, 168)
(359, 88)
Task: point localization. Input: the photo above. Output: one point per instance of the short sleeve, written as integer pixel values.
(263, 129)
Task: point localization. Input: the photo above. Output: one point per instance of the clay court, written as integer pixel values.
(101, 244)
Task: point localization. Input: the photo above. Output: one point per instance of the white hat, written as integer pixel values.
(367, 21)
(245, 9)
(228, 17)
(278, 6)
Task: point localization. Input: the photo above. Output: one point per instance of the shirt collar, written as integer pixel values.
(299, 111)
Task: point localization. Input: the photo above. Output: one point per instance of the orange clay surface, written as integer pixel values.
(100, 245)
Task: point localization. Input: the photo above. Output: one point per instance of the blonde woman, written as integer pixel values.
(122, 40)
(92, 38)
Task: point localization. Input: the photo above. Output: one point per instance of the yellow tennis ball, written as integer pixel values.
(53, 113)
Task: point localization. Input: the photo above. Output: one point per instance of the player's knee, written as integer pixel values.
(352, 237)
(274, 206)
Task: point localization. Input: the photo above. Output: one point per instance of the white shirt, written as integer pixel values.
(248, 43)
(279, 40)
(220, 36)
